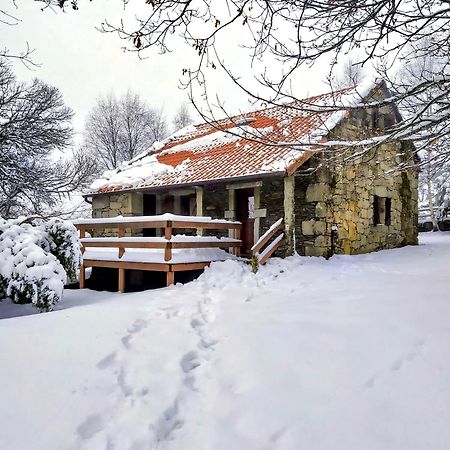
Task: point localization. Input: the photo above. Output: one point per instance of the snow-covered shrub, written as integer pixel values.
(38, 277)
(65, 246)
(34, 258)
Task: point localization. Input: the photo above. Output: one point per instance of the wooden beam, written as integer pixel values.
(121, 280)
(267, 255)
(82, 276)
(269, 237)
(168, 230)
(250, 184)
(118, 244)
(121, 250)
(168, 251)
(189, 266)
(170, 278)
(237, 235)
(157, 267)
(211, 244)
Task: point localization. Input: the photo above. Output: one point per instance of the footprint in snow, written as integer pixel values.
(107, 361)
(409, 356)
(189, 361)
(126, 340)
(137, 326)
(169, 423)
(91, 425)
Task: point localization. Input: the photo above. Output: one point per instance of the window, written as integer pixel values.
(381, 210)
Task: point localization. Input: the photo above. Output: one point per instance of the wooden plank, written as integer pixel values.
(82, 276)
(211, 244)
(168, 251)
(256, 248)
(237, 235)
(168, 230)
(209, 225)
(118, 244)
(121, 280)
(126, 225)
(189, 266)
(264, 259)
(82, 236)
(121, 251)
(157, 267)
(170, 278)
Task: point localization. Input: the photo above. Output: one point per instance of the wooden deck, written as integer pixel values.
(163, 258)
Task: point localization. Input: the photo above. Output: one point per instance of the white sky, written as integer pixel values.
(85, 64)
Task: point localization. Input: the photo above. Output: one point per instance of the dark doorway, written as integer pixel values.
(149, 210)
(245, 213)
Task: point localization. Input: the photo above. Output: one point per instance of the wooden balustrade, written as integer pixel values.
(260, 257)
(166, 223)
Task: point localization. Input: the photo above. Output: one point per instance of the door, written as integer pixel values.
(245, 213)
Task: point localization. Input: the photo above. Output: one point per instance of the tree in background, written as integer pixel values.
(349, 75)
(434, 154)
(282, 38)
(119, 129)
(34, 125)
(182, 118)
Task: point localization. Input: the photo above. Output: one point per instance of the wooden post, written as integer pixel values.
(170, 278)
(237, 235)
(168, 230)
(82, 276)
(121, 235)
(168, 251)
(289, 214)
(82, 235)
(122, 280)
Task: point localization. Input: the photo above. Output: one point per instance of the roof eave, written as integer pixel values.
(191, 184)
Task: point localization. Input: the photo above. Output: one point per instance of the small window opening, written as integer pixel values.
(382, 207)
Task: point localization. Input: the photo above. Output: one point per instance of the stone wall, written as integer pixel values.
(111, 205)
(343, 197)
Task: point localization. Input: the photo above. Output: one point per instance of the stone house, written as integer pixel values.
(270, 164)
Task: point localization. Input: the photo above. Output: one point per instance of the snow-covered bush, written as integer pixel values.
(34, 259)
(65, 245)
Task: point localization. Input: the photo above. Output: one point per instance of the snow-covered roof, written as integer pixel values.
(270, 140)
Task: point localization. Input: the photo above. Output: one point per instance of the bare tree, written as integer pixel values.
(34, 124)
(349, 75)
(119, 129)
(297, 34)
(435, 154)
(182, 118)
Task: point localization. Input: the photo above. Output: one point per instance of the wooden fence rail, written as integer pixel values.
(260, 257)
(167, 223)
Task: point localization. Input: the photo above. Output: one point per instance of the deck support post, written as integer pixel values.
(82, 276)
(289, 213)
(170, 278)
(122, 280)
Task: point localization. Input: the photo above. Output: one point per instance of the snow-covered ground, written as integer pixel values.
(347, 354)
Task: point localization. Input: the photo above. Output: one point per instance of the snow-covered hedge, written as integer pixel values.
(36, 260)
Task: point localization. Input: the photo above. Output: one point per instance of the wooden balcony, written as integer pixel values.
(168, 253)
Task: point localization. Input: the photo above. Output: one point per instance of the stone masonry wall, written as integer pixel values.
(343, 197)
(111, 205)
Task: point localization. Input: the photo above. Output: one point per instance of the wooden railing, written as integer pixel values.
(267, 240)
(167, 223)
